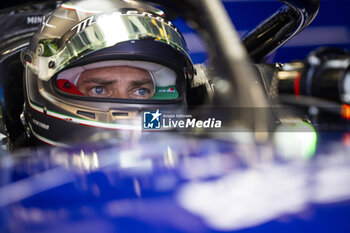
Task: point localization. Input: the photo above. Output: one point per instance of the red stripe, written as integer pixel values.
(297, 84)
(68, 8)
(47, 114)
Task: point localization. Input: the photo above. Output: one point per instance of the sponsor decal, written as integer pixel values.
(41, 125)
(34, 19)
(92, 19)
(169, 90)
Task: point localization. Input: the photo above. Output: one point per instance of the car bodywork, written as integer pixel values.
(230, 181)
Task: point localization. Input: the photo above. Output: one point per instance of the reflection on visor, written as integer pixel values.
(103, 32)
(120, 79)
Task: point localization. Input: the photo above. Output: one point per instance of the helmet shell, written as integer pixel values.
(56, 117)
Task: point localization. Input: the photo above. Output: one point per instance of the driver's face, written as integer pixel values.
(116, 82)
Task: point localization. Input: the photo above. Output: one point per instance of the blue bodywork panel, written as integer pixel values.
(175, 184)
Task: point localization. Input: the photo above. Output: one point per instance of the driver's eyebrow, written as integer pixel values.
(100, 81)
(141, 82)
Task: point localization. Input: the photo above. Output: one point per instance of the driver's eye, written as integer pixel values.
(142, 91)
(98, 90)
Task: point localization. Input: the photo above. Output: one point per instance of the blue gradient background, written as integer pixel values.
(330, 28)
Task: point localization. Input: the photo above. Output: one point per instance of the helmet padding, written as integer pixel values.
(162, 75)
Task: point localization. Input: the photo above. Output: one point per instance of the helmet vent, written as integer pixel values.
(120, 114)
(86, 114)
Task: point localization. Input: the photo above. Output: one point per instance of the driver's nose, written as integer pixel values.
(120, 92)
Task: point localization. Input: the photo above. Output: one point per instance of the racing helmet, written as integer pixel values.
(83, 52)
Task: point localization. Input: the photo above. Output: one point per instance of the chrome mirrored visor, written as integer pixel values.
(98, 32)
